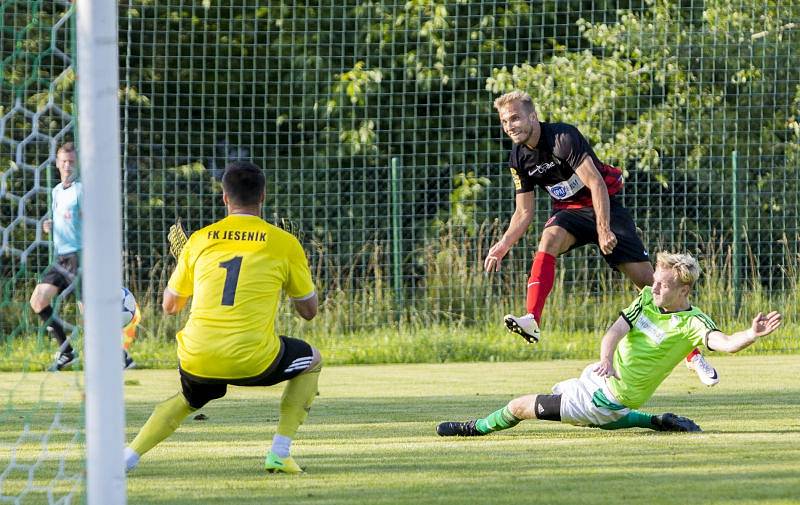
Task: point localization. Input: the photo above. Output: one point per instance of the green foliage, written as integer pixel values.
(660, 89)
(324, 95)
(464, 199)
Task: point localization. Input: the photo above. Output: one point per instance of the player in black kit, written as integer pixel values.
(557, 158)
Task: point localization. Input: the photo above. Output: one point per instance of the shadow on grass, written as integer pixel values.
(481, 473)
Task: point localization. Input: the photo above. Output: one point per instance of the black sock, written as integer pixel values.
(58, 331)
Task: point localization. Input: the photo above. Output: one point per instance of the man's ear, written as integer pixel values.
(224, 197)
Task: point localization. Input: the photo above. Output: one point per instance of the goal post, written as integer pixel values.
(99, 140)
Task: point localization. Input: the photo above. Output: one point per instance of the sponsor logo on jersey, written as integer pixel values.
(542, 168)
(515, 177)
(649, 328)
(566, 189)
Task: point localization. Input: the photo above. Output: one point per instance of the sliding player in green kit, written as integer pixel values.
(637, 353)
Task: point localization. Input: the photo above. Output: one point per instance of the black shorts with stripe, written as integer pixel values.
(581, 223)
(62, 274)
(294, 357)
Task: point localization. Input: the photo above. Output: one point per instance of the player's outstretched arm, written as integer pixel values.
(618, 330)
(520, 220)
(762, 325)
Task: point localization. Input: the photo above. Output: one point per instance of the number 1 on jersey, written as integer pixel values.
(232, 268)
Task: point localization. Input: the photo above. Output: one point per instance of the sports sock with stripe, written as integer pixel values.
(633, 419)
(498, 420)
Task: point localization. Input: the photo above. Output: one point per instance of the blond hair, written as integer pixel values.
(514, 97)
(684, 266)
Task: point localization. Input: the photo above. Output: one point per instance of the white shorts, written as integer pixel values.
(579, 405)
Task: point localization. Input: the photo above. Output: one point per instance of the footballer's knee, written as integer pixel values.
(523, 407)
(316, 361)
(41, 297)
(544, 407)
(555, 241)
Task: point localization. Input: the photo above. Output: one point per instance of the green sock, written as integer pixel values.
(498, 420)
(164, 420)
(634, 419)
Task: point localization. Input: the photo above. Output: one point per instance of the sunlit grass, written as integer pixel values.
(370, 439)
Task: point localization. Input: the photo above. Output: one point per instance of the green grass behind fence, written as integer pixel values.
(435, 344)
(455, 316)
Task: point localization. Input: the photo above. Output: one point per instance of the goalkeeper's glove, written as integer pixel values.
(177, 238)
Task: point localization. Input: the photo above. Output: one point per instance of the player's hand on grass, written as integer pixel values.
(605, 369)
(764, 325)
(607, 241)
(496, 254)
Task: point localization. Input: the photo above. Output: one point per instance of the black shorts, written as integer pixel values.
(582, 224)
(62, 274)
(294, 357)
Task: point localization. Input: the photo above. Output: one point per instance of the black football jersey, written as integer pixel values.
(552, 164)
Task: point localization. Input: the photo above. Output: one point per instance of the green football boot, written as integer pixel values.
(276, 464)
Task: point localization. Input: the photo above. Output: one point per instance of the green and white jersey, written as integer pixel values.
(656, 342)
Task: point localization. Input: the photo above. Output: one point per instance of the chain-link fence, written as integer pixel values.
(374, 123)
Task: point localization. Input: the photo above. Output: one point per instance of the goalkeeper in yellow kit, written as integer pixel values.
(235, 271)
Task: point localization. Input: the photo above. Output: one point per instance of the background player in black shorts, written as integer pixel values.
(557, 158)
(66, 227)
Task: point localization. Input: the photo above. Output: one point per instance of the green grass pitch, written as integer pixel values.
(370, 439)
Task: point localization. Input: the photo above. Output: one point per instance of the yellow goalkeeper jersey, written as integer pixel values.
(235, 271)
